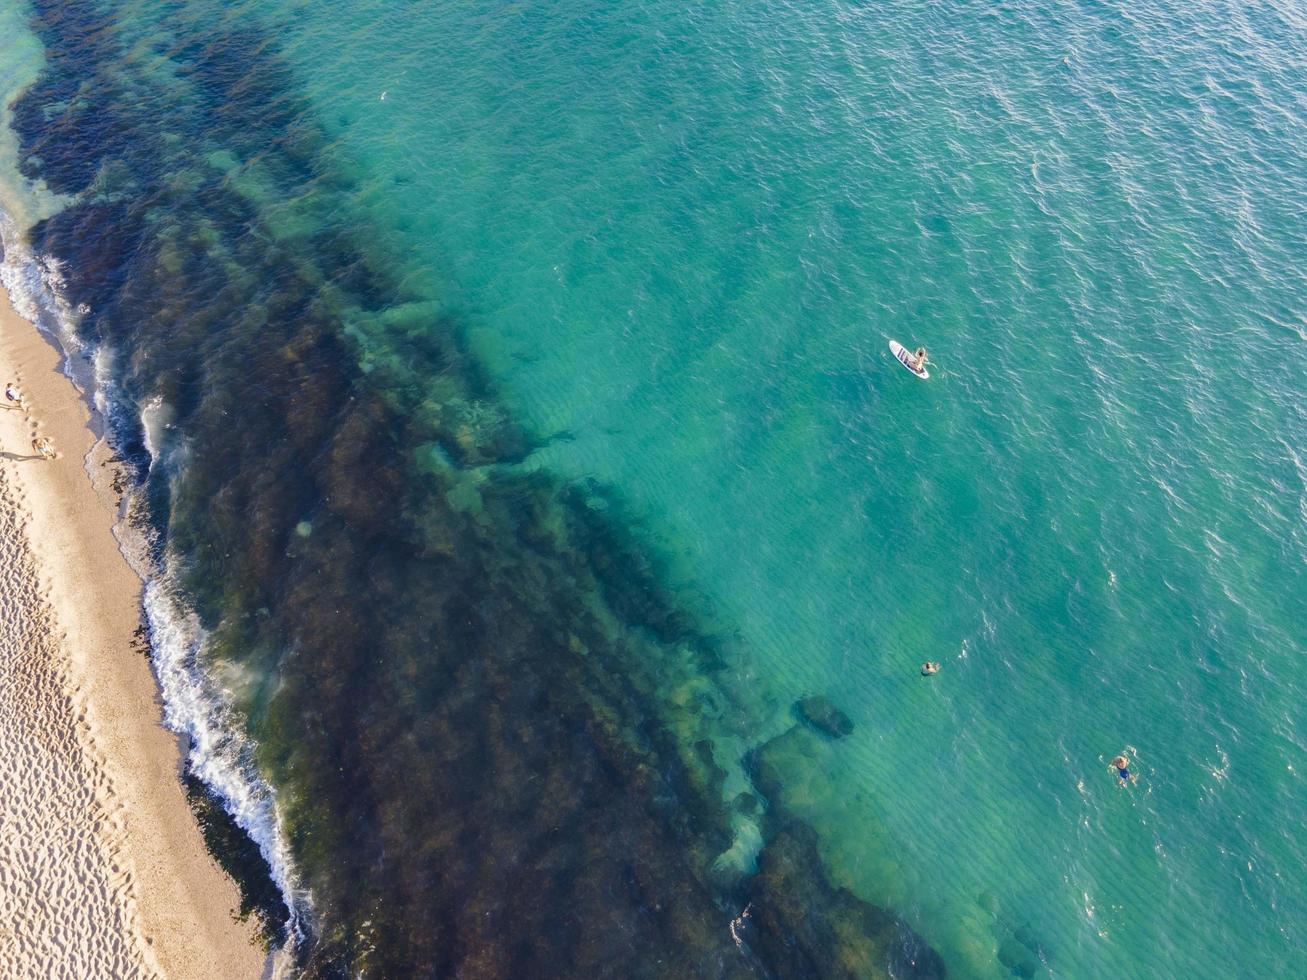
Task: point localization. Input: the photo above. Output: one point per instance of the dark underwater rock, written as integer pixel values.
(788, 763)
(817, 711)
(747, 804)
(1017, 958)
(850, 938)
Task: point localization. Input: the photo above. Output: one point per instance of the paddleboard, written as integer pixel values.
(905, 358)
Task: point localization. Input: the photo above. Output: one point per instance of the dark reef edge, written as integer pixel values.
(240, 858)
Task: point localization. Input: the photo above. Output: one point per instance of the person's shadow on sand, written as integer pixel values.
(20, 459)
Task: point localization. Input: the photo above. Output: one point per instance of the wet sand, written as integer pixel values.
(103, 871)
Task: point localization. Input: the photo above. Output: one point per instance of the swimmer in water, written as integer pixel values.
(929, 667)
(1121, 765)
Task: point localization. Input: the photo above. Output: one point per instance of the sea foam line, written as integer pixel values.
(194, 705)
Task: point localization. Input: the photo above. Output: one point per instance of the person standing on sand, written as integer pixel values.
(43, 447)
(13, 395)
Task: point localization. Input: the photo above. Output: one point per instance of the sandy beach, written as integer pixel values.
(103, 871)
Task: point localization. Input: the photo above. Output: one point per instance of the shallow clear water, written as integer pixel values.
(676, 242)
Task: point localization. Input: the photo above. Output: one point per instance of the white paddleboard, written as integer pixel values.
(905, 358)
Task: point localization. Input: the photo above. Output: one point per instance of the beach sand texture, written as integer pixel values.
(66, 900)
(103, 871)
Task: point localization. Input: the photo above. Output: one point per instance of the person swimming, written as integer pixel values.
(929, 667)
(1122, 767)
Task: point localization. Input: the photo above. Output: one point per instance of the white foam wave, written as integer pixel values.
(156, 420)
(195, 705)
(219, 754)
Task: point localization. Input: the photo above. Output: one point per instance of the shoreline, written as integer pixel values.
(168, 908)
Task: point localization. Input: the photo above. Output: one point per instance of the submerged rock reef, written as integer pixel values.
(817, 712)
(490, 723)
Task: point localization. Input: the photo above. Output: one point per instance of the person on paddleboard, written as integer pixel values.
(919, 359)
(1122, 766)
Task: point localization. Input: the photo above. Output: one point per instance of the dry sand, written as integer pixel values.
(103, 871)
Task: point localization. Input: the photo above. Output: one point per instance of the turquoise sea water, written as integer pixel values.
(677, 241)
